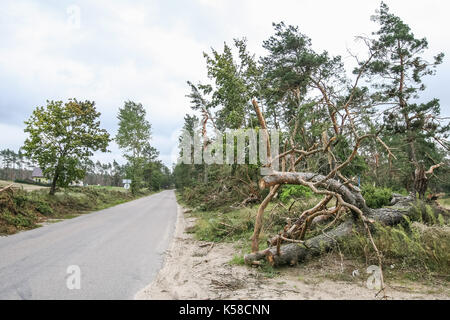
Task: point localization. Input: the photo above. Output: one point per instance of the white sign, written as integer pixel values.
(126, 181)
(126, 186)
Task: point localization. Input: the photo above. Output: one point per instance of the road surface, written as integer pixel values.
(109, 254)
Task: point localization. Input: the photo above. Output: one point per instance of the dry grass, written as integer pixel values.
(26, 187)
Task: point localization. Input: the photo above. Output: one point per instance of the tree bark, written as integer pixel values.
(292, 253)
(259, 218)
(54, 181)
(353, 197)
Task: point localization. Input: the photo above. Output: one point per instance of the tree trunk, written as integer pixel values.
(259, 217)
(54, 181)
(292, 253)
(205, 173)
(352, 196)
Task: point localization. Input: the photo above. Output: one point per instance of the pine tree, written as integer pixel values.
(397, 71)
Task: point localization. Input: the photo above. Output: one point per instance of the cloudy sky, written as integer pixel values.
(145, 51)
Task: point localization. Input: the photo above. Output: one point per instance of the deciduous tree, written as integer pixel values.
(62, 137)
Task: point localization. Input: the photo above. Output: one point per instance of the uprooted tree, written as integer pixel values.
(347, 129)
(334, 130)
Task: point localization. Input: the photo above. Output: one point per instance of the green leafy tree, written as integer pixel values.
(225, 102)
(185, 173)
(152, 168)
(288, 68)
(236, 82)
(397, 70)
(306, 93)
(133, 137)
(62, 137)
(157, 175)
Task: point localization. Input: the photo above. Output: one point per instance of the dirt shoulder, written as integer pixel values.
(201, 270)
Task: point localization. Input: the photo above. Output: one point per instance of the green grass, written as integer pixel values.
(236, 226)
(228, 225)
(419, 250)
(218, 226)
(268, 271)
(237, 260)
(111, 188)
(24, 186)
(445, 202)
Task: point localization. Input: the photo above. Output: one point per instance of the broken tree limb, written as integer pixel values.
(421, 178)
(352, 197)
(259, 218)
(292, 253)
(388, 216)
(6, 188)
(262, 123)
(273, 190)
(432, 168)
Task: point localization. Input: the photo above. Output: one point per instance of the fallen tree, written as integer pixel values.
(290, 246)
(297, 251)
(351, 195)
(292, 253)
(331, 134)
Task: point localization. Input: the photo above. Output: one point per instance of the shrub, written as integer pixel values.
(44, 208)
(424, 213)
(376, 197)
(294, 191)
(20, 199)
(26, 220)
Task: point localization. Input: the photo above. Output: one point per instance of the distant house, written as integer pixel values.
(78, 183)
(38, 176)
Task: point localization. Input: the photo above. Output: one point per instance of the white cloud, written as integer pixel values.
(11, 136)
(146, 50)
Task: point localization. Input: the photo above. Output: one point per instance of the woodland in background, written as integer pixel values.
(15, 166)
(287, 83)
(357, 138)
(133, 138)
(62, 139)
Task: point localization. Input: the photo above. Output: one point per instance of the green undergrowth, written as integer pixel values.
(231, 225)
(419, 247)
(23, 210)
(445, 202)
(218, 226)
(376, 197)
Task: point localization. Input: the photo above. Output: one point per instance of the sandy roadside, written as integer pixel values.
(200, 270)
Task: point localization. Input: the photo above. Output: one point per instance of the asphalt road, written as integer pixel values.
(109, 254)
